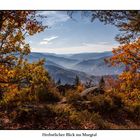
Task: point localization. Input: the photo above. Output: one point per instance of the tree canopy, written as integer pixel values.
(15, 70)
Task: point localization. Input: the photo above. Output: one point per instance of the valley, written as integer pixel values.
(84, 65)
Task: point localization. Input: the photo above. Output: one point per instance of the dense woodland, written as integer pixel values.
(30, 99)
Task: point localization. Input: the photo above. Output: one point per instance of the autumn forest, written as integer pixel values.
(30, 98)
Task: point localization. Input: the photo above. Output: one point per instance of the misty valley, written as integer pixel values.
(87, 66)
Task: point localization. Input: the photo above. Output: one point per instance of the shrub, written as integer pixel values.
(41, 93)
(93, 119)
(136, 113)
(80, 88)
(67, 111)
(31, 116)
(48, 94)
(100, 103)
(14, 97)
(72, 96)
(118, 101)
(133, 112)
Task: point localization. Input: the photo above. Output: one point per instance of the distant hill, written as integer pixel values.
(85, 65)
(86, 56)
(66, 75)
(97, 67)
(57, 59)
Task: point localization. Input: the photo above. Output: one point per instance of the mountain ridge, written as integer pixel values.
(66, 67)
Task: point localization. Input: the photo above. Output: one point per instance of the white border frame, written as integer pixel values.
(69, 4)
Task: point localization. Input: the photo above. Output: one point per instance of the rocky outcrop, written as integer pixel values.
(92, 90)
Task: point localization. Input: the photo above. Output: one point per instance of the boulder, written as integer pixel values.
(92, 90)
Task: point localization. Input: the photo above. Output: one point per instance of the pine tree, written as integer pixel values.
(77, 81)
(102, 83)
(58, 82)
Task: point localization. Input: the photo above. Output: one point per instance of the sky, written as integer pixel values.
(66, 35)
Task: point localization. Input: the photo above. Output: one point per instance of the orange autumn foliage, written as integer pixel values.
(17, 75)
(129, 56)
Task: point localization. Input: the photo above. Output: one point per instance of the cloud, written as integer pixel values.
(54, 17)
(98, 47)
(85, 47)
(48, 40)
(104, 43)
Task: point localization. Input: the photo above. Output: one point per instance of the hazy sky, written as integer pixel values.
(77, 35)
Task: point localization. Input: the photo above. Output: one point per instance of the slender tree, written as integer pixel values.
(58, 82)
(102, 83)
(77, 81)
